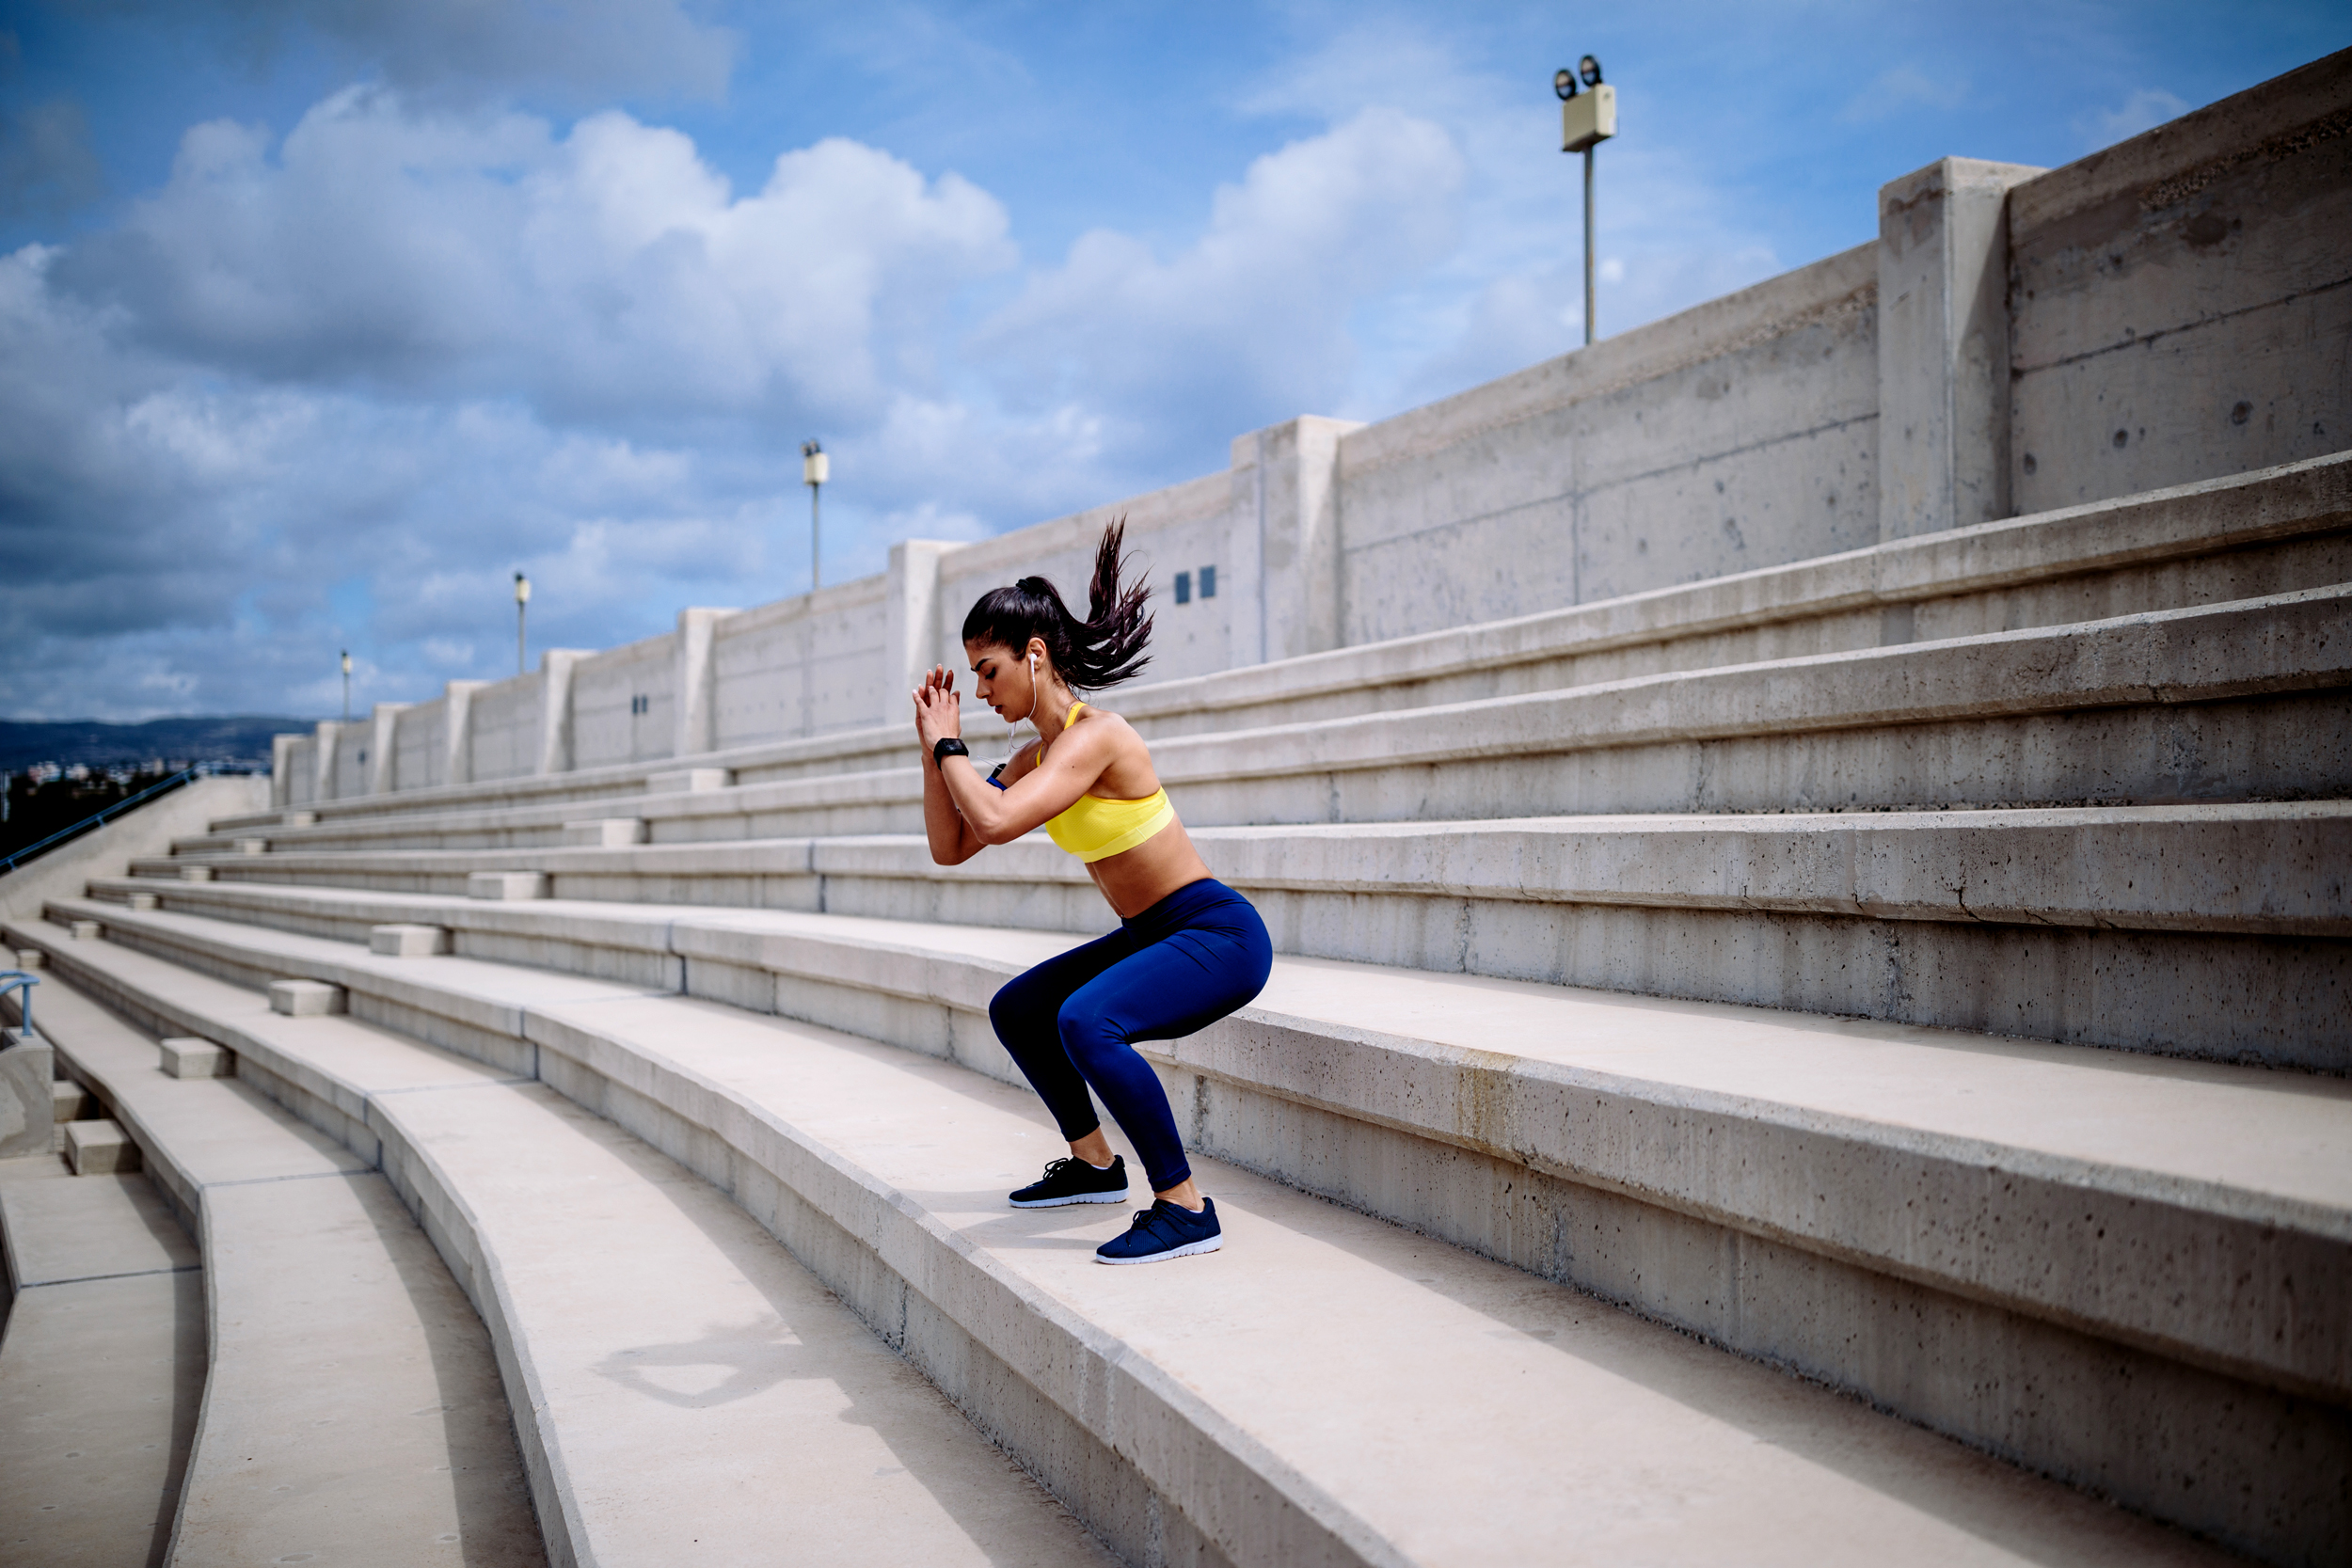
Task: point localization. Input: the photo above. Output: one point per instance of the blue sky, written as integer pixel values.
(317, 321)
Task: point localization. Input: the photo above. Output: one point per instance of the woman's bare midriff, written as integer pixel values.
(1136, 878)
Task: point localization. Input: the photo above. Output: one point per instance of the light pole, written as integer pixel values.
(346, 685)
(522, 606)
(815, 469)
(1587, 118)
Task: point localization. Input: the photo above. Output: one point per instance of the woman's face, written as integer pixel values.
(1001, 679)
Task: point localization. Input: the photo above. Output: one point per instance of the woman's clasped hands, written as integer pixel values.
(938, 715)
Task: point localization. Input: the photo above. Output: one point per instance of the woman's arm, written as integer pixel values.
(1072, 766)
(952, 840)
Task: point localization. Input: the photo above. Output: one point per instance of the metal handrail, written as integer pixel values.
(16, 979)
(10, 862)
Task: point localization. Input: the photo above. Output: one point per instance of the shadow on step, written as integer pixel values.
(488, 1491)
(187, 1399)
(803, 1338)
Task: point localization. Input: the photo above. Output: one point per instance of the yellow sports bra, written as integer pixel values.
(1095, 828)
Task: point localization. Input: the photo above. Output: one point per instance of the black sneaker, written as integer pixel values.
(1165, 1230)
(1072, 1180)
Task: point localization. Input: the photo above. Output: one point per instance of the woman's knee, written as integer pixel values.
(1013, 1010)
(1086, 1034)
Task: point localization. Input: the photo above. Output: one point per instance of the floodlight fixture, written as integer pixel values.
(522, 604)
(815, 467)
(1587, 118)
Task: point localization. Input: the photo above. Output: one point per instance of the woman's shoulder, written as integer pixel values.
(1102, 726)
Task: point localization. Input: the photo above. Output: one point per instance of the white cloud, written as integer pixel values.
(2144, 110)
(608, 273)
(1249, 323)
(1511, 293)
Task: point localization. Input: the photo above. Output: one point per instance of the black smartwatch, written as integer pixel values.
(948, 746)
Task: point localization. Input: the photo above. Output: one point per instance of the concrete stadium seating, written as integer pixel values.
(1636, 955)
(1266, 1432)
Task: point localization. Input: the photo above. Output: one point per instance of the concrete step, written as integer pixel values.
(1726, 1170)
(102, 1366)
(2263, 532)
(2249, 700)
(680, 1386)
(1219, 1410)
(2208, 930)
(2254, 534)
(352, 1409)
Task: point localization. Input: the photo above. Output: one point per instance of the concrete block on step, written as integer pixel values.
(188, 1057)
(143, 902)
(302, 820)
(85, 930)
(305, 998)
(195, 873)
(506, 885)
(31, 957)
(253, 846)
(99, 1148)
(70, 1101)
(610, 832)
(407, 941)
(687, 781)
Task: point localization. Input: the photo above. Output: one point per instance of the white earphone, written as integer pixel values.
(1013, 725)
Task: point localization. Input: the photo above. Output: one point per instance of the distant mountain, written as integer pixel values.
(241, 737)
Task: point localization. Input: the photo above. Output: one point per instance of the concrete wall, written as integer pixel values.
(625, 704)
(506, 724)
(1738, 435)
(2176, 308)
(420, 745)
(2180, 304)
(801, 666)
(1181, 529)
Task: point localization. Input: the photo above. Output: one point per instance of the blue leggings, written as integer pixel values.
(1189, 959)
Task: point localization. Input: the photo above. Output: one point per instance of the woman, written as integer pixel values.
(1189, 950)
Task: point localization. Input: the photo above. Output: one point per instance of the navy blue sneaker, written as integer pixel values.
(1072, 1180)
(1163, 1231)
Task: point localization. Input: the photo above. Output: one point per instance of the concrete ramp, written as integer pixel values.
(101, 1366)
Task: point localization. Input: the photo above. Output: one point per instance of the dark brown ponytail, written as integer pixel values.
(1101, 650)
